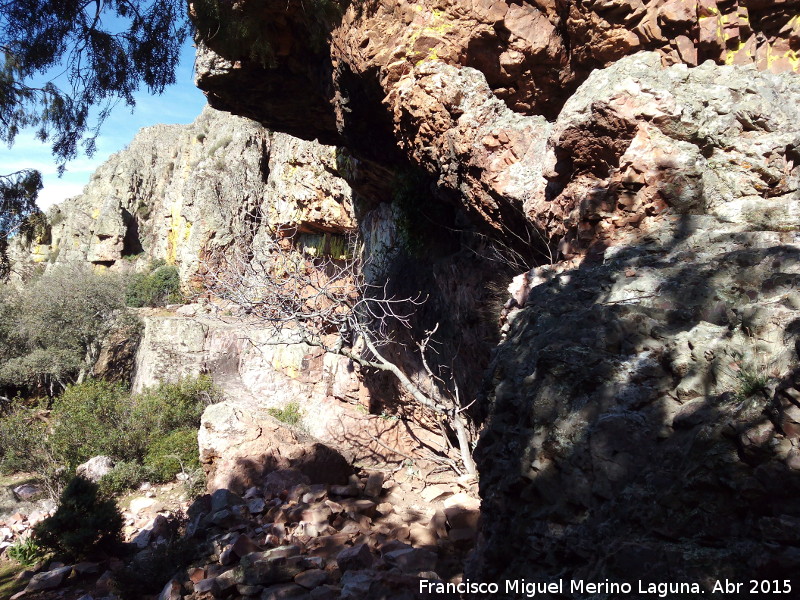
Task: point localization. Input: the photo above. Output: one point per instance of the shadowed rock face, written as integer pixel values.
(459, 89)
(532, 54)
(324, 70)
(643, 401)
(642, 408)
(643, 413)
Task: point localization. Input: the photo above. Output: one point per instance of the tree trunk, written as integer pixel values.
(455, 418)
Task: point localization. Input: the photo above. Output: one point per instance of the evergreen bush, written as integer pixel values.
(290, 414)
(93, 418)
(173, 453)
(125, 475)
(158, 287)
(157, 427)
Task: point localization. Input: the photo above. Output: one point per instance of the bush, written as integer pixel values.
(53, 327)
(84, 523)
(90, 419)
(290, 413)
(160, 286)
(98, 417)
(126, 475)
(21, 435)
(173, 453)
(171, 406)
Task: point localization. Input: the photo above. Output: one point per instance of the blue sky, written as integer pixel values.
(179, 103)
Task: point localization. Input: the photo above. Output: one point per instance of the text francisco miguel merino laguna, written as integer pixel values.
(531, 589)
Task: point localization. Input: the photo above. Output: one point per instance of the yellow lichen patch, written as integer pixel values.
(730, 55)
(790, 56)
(179, 231)
(40, 253)
(432, 55)
(707, 11)
(288, 360)
(794, 59)
(95, 213)
(439, 25)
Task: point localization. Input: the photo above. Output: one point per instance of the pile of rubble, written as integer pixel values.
(371, 538)
(18, 527)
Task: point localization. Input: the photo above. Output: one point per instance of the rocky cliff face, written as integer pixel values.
(257, 376)
(178, 193)
(395, 79)
(188, 195)
(642, 408)
(643, 403)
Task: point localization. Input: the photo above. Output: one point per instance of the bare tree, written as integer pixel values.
(318, 295)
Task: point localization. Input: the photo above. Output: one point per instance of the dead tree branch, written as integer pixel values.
(316, 293)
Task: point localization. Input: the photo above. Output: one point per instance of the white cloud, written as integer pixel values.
(58, 192)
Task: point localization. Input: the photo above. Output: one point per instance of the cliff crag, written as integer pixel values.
(642, 407)
(179, 192)
(189, 195)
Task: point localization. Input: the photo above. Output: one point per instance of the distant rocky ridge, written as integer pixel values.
(178, 192)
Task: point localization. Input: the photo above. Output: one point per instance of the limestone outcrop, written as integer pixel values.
(180, 192)
(394, 80)
(337, 62)
(243, 445)
(257, 376)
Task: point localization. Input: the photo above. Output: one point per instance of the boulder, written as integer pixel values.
(171, 591)
(274, 566)
(94, 468)
(238, 449)
(27, 492)
(355, 558)
(311, 579)
(412, 560)
(48, 580)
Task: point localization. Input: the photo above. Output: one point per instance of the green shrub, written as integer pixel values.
(171, 406)
(290, 413)
(751, 380)
(26, 552)
(158, 287)
(173, 453)
(99, 417)
(53, 327)
(125, 475)
(21, 436)
(149, 571)
(84, 523)
(195, 484)
(92, 418)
